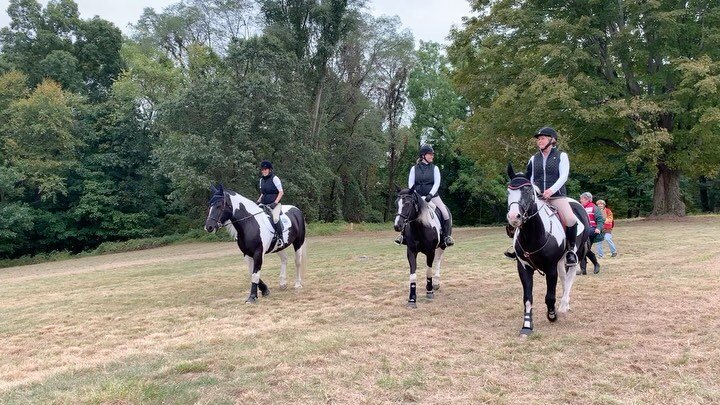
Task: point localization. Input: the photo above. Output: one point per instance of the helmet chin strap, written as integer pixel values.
(550, 144)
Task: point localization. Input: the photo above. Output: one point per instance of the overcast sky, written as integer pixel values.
(429, 20)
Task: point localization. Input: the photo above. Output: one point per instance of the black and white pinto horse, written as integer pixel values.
(539, 243)
(420, 224)
(254, 232)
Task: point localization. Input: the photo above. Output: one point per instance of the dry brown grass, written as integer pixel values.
(169, 325)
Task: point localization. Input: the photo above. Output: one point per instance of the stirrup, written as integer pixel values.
(399, 240)
(510, 255)
(449, 241)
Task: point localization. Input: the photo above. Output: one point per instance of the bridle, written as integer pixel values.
(415, 206)
(524, 217)
(221, 210)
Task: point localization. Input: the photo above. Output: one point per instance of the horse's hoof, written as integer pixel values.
(251, 300)
(298, 286)
(436, 287)
(412, 304)
(266, 293)
(430, 295)
(283, 287)
(552, 316)
(525, 332)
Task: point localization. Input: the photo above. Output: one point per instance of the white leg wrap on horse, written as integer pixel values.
(413, 278)
(256, 277)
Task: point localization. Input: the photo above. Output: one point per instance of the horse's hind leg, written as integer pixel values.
(412, 260)
(551, 276)
(568, 278)
(300, 264)
(439, 255)
(429, 274)
(283, 268)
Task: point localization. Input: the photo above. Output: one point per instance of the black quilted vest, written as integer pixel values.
(268, 190)
(547, 176)
(424, 178)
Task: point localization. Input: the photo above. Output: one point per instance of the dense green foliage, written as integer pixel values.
(631, 86)
(106, 138)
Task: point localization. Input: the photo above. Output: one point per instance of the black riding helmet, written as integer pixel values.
(265, 164)
(425, 149)
(546, 131)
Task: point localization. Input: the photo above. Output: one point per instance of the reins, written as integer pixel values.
(525, 218)
(234, 221)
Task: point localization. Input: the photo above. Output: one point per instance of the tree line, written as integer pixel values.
(106, 137)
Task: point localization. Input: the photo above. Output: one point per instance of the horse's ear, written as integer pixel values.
(412, 189)
(397, 189)
(220, 188)
(510, 170)
(212, 188)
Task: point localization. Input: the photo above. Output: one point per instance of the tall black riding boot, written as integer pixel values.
(447, 231)
(593, 259)
(571, 237)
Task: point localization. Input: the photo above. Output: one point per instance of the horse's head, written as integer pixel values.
(408, 203)
(522, 198)
(220, 209)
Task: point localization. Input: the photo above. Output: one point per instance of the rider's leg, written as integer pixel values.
(446, 221)
(276, 210)
(567, 215)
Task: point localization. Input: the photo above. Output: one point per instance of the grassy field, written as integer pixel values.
(169, 325)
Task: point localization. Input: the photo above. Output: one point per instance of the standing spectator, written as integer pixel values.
(596, 219)
(607, 228)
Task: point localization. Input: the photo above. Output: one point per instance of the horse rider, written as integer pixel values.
(425, 177)
(549, 169)
(271, 192)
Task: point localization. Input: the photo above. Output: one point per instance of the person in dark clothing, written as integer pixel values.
(271, 192)
(425, 177)
(549, 170)
(597, 220)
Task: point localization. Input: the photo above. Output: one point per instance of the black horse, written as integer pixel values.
(539, 242)
(252, 227)
(420, 224)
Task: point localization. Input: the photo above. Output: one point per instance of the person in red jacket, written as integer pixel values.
(597, 220)
(607, 230)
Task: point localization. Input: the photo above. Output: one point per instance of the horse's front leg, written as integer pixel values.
(429, 274)
(551, 277)
(526, 278)
(412, 260)
(255, 281)
(283, 268)
(439, 254)
(567, 276)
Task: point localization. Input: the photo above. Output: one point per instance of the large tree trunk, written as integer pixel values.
(667, 199)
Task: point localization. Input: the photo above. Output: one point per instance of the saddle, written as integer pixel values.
(273, 212)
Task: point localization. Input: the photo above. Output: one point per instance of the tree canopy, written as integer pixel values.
(106, 137)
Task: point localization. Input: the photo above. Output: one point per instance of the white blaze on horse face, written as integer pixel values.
(513, 215)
